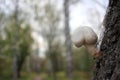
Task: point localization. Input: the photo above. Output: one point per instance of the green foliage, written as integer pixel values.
(5, 67)
(55, 56)
(49, 23)
(50, 31)
(62, 76)
(24, 42)
(82, 60)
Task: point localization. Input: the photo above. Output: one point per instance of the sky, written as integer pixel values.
(85, 10)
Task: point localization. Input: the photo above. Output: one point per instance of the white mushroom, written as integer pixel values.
(87, 37)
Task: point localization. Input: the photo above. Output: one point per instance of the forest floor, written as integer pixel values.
(62, 76)
(38, 78)
(43, 76)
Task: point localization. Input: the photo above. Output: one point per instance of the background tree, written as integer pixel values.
(50, 30)
(108, 67)
(68, 40)
(7, 39)
(15, 49)
(24, 42)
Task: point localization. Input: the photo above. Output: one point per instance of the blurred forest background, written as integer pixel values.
(35, 41)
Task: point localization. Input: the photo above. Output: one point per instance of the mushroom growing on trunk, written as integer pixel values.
(87, 37)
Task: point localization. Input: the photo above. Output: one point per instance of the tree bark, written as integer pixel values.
(15, 66)
(68, 41)
(108, 68)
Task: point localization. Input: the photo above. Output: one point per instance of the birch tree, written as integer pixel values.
(15, 67)
(67, 40)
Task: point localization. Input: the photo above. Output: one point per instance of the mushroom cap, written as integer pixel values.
(78, 38)
(83, 36)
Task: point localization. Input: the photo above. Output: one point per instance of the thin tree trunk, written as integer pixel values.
(68, 40)
(37, 60)
(51, 66)
(15, 67)
(28, 64)
(108, 68)
(54, 75)
(15, 75)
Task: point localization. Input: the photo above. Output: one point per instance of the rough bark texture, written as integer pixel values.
(108, 68)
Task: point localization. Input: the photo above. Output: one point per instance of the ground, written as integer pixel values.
(38, 78)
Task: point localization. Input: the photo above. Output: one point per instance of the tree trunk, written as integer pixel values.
(108, 68)
(68, 40)
(28, 68)
(15, 66)
(15, 75)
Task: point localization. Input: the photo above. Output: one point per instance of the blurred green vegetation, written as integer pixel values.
(54, 62)
(82, 59)
(60, 76)
(82, 69)
(24, 43)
